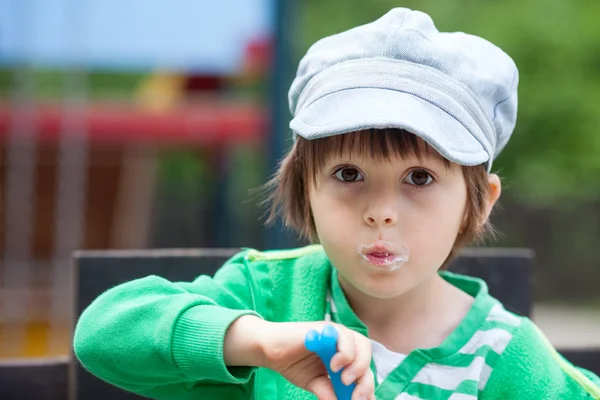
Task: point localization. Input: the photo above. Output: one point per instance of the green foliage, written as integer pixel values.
(49, 84)
(554, 154)
(184, 171)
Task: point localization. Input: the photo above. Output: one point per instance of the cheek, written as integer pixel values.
(434, 226)
(334, 214)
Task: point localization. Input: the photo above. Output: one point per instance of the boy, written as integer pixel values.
(396, 129)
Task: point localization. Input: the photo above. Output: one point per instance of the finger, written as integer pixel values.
(361, 362)
(365, 387)
(346, 350)
(322, 388)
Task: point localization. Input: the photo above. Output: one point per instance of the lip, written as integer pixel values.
(382, 260)
(384, 256)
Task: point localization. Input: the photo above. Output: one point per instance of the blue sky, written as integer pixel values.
(200, 35)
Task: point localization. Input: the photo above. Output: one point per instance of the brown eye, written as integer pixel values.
(419, 178)
(348, 174)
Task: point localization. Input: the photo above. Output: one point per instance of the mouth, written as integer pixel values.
(384, 256)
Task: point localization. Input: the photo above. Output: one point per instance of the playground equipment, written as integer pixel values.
(77, 172)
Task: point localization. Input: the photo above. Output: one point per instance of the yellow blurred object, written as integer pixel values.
(36, 340)
(161, 91)
(33, 340)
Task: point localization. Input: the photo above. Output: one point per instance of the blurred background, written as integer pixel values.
(146, 124)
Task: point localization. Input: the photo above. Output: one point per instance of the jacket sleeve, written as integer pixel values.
(164, 339)
(530, 368)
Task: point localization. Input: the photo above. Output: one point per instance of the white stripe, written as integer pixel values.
(498, 313)
(496, 338)
(448, 378)
(331, 303)
(486, 371)
(460, 396)
(406, 396)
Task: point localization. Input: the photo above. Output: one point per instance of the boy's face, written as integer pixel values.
(369, 215)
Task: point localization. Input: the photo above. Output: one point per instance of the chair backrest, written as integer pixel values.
(97, 271)
(508, 273)
(40, 379)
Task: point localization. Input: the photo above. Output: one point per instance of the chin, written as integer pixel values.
(382, 294)
(385, 286)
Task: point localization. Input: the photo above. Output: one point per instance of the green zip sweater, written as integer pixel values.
(164, 340)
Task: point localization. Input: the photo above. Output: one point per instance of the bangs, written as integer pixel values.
(376, 144)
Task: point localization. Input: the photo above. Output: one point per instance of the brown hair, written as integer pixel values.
(288, 189)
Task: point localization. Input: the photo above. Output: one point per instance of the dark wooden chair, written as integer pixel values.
(96, 271)
(39, 379)
(508, 272)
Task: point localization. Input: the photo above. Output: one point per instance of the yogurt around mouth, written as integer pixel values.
(383, 256)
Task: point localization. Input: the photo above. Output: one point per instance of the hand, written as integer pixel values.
(284, 351)
(251, 341)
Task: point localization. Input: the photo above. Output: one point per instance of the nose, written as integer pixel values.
(381, 212)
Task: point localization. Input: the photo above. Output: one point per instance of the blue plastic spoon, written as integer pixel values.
(325, 346)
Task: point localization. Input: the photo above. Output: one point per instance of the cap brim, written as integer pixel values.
(363, 108)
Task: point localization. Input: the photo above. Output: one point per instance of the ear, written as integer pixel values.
(495, 189)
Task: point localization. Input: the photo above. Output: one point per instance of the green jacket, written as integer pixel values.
(164, 339)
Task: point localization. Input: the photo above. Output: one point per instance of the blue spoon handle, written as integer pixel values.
(324, 344)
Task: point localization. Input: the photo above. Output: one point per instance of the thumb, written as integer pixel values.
(322, 388)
